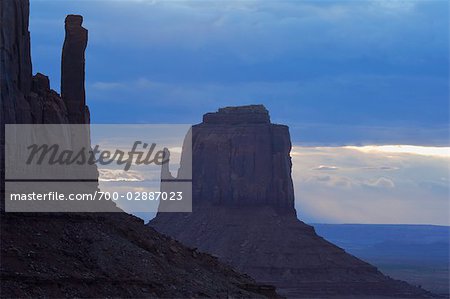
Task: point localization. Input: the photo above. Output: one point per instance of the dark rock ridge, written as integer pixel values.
(89, 255)
(243, 213)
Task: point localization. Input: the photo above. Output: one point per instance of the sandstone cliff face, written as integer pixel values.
(243, 212)
(241, 159)
(28, 99)
(25, 99)
(15, 62)
(89, 255)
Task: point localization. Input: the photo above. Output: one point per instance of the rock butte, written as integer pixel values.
(241, 159)
(86, 255)
(243, 213)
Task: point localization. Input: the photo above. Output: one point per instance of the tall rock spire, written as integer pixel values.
(73, 70)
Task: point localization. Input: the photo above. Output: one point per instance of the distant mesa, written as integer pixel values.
(243, 212)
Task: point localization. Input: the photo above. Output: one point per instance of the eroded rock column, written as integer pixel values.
(73, 70)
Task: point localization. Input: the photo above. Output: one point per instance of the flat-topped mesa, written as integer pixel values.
(241, 159)
(73, 69)
(243, 213)
(251, 114)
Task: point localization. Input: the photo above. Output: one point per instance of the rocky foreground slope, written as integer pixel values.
(243, 212)
(86, 255)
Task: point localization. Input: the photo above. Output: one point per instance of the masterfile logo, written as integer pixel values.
(53, 154)
(97, 168)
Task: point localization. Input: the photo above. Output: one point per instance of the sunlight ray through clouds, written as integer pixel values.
(372, 184)
(405, 149)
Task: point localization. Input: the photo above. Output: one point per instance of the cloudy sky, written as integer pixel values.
(339, 73)
(372, 184)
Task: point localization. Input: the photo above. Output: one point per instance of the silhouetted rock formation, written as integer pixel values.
(241, 159)
(86, 255)
(24, 98)
(252, 114)
(243, 212)
(73, 68)
(15, 62)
